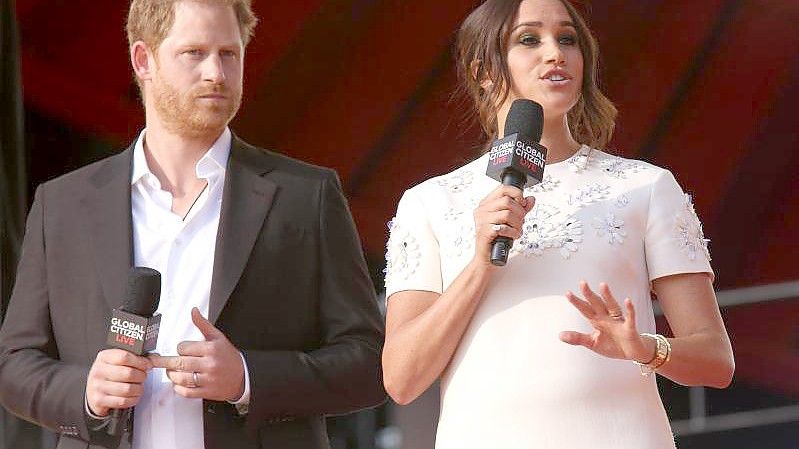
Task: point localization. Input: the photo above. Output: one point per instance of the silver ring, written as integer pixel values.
(194, 380)
(496, 227)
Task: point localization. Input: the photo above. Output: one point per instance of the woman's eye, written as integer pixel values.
(568, 40)
(529, 39)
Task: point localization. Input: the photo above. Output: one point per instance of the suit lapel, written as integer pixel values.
(107, 209)
(246, 201)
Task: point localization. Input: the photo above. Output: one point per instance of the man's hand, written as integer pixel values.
(210, 369)
(115, 381)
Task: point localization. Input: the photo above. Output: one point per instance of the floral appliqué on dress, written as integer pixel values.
(461, 239)
(545, 227)
(688, 231)
(610, 227)
(589, 194)
(579, 161)
(619, 168)
(457, 181)
(547, 185)
(402, 253)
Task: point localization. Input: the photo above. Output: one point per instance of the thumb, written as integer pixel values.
(529, 203)
(206, 327)
(576, 339)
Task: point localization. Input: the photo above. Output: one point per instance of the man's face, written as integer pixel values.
(197, 79)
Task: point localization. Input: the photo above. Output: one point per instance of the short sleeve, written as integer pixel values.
(674, 241)
(412, 253)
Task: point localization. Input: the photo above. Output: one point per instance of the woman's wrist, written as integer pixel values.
(648, 350)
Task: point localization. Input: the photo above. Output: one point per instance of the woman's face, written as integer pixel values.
(544, 58)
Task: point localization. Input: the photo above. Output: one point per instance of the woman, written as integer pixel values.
(524, 362)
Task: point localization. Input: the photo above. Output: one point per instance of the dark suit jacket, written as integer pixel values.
(289, 288)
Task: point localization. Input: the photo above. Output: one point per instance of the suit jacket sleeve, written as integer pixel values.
(34, 383)
(344, 373)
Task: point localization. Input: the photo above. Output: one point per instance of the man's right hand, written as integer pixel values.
(115, 381)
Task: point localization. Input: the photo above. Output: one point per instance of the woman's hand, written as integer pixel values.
(501, 213)
(615, 334)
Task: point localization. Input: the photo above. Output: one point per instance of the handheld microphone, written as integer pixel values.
(134, 326)
(517, 159)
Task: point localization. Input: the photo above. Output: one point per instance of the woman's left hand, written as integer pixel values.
(615, 334)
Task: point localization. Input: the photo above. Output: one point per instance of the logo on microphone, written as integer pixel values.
(513, 153)
(133, 333)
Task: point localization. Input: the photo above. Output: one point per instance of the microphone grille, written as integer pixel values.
(526, 117)
(144, 291)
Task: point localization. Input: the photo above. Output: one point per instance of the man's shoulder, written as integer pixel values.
(94, 171)
(282, 164)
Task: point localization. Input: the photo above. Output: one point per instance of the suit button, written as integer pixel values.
(211, 409)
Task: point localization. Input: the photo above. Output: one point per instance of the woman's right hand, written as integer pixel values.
(501, 213)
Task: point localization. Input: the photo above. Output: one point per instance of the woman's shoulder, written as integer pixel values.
(622, 167)
(457, 181)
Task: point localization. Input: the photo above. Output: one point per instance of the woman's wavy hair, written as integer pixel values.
(482, 46)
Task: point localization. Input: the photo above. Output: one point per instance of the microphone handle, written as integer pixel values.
(119, 418)
(501, 246)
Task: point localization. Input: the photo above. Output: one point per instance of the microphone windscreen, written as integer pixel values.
(144, 291)
(526, 117)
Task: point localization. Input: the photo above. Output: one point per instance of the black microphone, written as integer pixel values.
(134, 326)
(517, 159)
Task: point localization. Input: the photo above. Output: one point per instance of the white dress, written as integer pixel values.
(512, 383)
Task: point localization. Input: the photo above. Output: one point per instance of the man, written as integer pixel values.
(269, 320)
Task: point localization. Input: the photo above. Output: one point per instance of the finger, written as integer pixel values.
(206, 327)
(194, 348)
(505, 217)
(585, 309)
(117, 402)
(504, 230)
(628, 303)
(614, 309)
(505, 203)
(529, 203)
(508, 191)
(186, 379)
(189, 392)
(122, 389)
(176, 363)
(125, 374)
(593, 299)
(119, 357)
(576, 339)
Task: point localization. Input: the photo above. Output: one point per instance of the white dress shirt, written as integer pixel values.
(182, 249)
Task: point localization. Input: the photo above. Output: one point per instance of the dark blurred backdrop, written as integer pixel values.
(707, 88)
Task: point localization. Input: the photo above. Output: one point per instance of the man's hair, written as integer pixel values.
(149, 21)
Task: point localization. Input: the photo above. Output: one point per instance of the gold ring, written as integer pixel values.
(616, 316)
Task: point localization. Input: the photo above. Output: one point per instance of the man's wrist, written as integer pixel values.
(243, 401)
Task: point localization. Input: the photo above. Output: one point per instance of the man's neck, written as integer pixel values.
(173, 158)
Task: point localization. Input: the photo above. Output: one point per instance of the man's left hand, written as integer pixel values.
(210, 369)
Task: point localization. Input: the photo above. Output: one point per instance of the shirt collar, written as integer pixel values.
(213, 161)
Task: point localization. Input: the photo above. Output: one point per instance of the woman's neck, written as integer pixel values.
(558, 140)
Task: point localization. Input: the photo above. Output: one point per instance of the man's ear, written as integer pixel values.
(142, 60)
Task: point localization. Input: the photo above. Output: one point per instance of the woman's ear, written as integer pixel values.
(477, 71)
